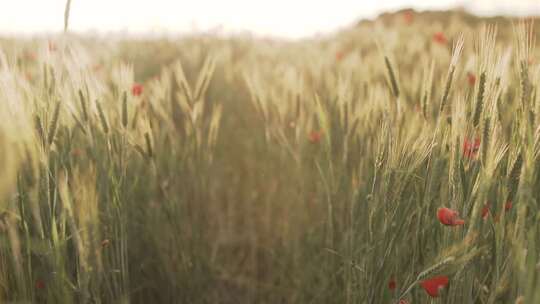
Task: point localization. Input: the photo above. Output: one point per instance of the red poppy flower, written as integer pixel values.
(408, 17)
(105, 243)
(30, 56)
(392, 285)
(434, 285)
(440, 38)
(340, 55)
(449, 217)
(52, 47)
(470, 149)
(40, 284)
(508, 206)
(471, 78)
(137, 89)
(315, 136)
(76, 152)
(403, 301)
(485, 211)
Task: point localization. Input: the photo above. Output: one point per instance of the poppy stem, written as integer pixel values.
(407, 290)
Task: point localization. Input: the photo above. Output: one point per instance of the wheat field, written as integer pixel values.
(396, 161)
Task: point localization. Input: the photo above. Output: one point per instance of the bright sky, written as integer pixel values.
(285, 18)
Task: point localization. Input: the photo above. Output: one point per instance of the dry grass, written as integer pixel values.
(256, 171)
